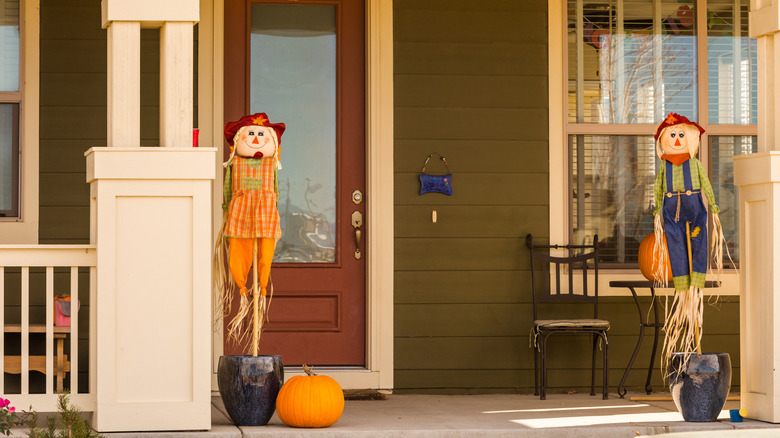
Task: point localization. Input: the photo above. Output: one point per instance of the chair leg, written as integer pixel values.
(543, 369)
(536, 370)
(593, 366)
(606, 366)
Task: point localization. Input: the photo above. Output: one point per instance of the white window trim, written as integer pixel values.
(558, 170)
(24, 230)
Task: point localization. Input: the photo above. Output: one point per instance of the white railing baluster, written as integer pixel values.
(2, 324)
(74, 329)
(49, 306)
(49, 257)
(25, 330)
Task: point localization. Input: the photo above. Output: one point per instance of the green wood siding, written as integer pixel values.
(73, 100)
(471, 83)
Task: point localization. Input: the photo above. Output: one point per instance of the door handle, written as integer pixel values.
(357, 222)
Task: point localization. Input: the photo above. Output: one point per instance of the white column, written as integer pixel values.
(153, 238)
(176, 96)
(758, 178)
(151, 222)
(124, 83)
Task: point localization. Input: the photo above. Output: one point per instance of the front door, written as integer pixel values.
(302, 63)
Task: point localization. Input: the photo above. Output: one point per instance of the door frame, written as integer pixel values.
(380, 267)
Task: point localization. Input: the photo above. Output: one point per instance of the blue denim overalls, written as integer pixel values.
(681, 207)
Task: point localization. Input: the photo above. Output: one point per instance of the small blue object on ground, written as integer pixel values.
(735, 416)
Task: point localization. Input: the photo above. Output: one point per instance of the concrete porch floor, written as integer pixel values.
(498, 415)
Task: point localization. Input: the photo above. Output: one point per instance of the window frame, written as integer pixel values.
(637, 129)
(559, 130)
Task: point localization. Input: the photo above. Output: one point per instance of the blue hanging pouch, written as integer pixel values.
(436, 183)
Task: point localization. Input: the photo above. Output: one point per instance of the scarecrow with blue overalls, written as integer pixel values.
(682, 194)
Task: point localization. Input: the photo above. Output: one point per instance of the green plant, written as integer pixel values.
(66, 423)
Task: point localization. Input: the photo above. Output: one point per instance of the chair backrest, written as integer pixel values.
(542, 264)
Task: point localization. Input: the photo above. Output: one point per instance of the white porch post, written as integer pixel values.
(151, 210)
(176, 69)
(758, 178)
(124, 83)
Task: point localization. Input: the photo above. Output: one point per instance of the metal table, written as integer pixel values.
(631, 285)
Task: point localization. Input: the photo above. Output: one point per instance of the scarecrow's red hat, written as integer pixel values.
(676, 119)
(260, 119)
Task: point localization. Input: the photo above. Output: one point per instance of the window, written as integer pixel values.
(10, 100)
(630, 63)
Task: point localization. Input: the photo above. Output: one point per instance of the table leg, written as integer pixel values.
(621, 390)
(657, 325)
(59, 370)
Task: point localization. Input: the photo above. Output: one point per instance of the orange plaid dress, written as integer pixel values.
(252, 210)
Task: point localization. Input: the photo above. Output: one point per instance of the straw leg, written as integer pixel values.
(690, 272)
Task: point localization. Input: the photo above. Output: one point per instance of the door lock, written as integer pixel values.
(357, 197)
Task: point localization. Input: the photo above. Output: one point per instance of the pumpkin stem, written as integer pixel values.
(308, 370)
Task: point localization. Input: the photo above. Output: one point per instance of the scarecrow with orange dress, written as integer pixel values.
(251, 221)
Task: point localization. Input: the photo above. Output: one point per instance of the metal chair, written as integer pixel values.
(544, 292)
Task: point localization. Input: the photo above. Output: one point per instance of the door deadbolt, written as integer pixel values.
(357, 197)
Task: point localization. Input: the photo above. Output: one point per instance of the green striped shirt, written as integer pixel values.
(699, 180)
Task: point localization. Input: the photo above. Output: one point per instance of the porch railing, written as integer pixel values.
(36, 267)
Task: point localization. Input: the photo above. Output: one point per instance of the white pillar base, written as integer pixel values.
(758, 178)
(152, 207)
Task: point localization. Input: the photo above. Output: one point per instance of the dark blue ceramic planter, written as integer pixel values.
(249, 386)
(700, 390)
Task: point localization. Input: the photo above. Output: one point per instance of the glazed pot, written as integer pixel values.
(249, 386)
(700, 389)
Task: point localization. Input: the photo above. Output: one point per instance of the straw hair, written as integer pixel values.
(225, 286)
(718, 244)
(660, 253)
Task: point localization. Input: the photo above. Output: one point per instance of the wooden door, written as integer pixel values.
(302, 63)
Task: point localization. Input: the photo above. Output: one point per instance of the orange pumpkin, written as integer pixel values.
(646, 263)
(310, 401)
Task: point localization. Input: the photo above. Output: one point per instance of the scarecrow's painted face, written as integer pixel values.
(253, 139)
(680, 139)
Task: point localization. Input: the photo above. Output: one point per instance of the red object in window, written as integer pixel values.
(195, 132)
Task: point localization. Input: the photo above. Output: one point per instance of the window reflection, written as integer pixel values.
(9, 45)
(9, 161)
(732, 64)
(293, 80)
(724, 148)
(631, 61)
(613, 198)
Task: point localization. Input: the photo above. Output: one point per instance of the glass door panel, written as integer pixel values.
(293, 71)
